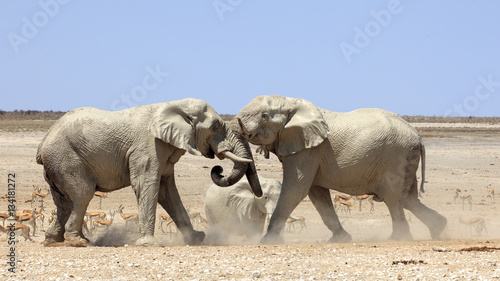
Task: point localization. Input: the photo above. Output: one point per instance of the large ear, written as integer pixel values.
(305, 128)
(242, 200)
(177, 123)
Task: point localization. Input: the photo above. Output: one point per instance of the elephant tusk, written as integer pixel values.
(231, 156)
(245, 132)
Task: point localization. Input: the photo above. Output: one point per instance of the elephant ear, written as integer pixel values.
(178, 123)
(242, 201)
(305, 127)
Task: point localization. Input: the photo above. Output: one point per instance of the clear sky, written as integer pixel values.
(410, 57)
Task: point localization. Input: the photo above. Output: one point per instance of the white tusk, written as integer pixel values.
(231, 156)
(245, 132)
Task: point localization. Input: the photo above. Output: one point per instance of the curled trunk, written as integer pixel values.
(241, 148)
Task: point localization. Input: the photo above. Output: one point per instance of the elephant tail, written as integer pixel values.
(422, 155)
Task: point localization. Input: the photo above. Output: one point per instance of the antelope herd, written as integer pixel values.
(29, 220)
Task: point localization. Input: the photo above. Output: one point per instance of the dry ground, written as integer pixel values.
(468, 160)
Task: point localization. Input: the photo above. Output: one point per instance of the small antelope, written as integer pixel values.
(456, 194)
(346, 204)
(4, 216)
(343, 197)
(367, 197)
(30, 217)
(41, 217)
(164, 218)
(101, 222)
(90, 215)
(128, 216)
(37, 195)
(194, 216)
(290, 222)
(478, 222)
(463, 197)
(37, 189)
(467, 197)
(491, 194)
(25, 230)
(203, 224)
(101, 195)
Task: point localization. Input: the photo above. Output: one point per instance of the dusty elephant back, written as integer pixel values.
(367, 143)
(216, 207)
(89, 137)
(368, 129)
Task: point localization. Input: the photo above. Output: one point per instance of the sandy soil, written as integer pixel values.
(469, 162)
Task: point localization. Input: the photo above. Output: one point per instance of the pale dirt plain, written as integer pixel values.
(466, 160)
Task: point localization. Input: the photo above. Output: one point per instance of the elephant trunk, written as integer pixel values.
(241, 149)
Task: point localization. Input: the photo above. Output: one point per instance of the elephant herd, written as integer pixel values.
(366, 151)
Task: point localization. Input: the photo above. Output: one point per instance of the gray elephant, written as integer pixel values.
(366, 151)
(90, 150)
(236, 210)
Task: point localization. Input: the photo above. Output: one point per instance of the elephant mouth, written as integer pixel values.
(210, 153)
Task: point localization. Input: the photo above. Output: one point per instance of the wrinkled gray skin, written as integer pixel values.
(237, 211)
(366, 151)
(90, 150)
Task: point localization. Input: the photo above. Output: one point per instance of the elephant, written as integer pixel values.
(237, 211)
(365, 151)
(90, 150)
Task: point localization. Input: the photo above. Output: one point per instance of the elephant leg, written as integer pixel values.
(432, 219)
(74, 225)
(170, 200)
(80, 200)
(71, 209)
(322, 201)
(400, 227)
(298, 176)
(55, 232)
(147, 193)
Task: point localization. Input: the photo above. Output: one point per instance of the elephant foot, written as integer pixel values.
(438, 227)
(401, 236)
(51, 238)
(272, 239)
(79, 243)
(195, 238)
(76, 240)
(340, 237)
(148, 241)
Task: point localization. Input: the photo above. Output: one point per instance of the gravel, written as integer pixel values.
(418, 260)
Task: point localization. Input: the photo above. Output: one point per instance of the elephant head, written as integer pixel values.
(241, 200)
(194, 126)
(282, 125)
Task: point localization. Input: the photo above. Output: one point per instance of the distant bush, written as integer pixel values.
(459, 119)
(34, 120)
(30, 115)
(227, 117)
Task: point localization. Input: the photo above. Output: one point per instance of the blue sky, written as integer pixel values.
(409, 57)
